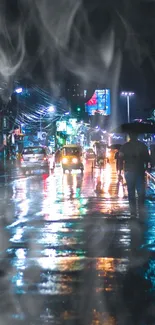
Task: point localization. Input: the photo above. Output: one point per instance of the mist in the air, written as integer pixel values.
(46, 40)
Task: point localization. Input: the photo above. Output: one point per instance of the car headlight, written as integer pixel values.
(75, 160)
(64, 160)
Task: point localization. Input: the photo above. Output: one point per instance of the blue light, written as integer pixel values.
(51, 109)
(100, 102)
(19, 90)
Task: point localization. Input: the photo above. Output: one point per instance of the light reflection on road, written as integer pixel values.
(63, 228)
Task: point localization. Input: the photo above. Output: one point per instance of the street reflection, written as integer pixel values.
(107, 180)
(111, 265)
(102, 318)
(65, 229)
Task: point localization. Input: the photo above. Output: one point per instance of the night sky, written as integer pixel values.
(46, 59)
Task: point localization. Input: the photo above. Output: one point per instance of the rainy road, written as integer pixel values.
(70, 255)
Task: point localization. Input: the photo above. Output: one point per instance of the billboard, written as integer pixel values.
(61, 126)
(73, 122)
(100, 102)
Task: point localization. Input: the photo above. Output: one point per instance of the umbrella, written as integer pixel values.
(138, 128)
(115, 146)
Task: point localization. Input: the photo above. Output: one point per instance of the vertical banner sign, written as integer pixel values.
(5, 123)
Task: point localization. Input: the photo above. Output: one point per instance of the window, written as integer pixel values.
(90, 150)
(71, 151)
(34, 151)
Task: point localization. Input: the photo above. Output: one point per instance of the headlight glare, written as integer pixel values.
(64, 160)
(75, 160)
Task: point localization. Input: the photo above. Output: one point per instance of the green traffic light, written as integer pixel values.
(78, 109)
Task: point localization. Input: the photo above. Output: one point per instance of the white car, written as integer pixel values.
(37, 158)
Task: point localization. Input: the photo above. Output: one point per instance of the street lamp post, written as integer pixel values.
(18, 91)
(128, 95)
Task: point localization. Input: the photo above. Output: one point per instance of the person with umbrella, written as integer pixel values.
(119, 162)
(135, 155)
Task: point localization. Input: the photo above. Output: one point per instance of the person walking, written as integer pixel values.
(119, 163)
(135, 155)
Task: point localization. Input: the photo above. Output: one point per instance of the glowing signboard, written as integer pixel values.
(61, 126)
(100, 102)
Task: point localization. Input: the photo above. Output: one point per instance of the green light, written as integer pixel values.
(78, 109)
(60, 140)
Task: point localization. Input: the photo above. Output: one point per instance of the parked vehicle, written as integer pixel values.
(37, 158)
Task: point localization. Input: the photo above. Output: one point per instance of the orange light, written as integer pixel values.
(74, 160)
(64, 160)
(45, 158)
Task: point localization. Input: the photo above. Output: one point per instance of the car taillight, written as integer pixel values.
(45, 158)
(21, 159)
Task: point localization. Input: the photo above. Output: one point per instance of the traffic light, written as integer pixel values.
(61, 138)
(78, 111)
(61, 141)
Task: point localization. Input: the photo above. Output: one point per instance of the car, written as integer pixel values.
(89, 154)
(38, 158)
(72, 158)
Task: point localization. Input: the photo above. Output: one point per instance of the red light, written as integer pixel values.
(21, 159)
(45, 158)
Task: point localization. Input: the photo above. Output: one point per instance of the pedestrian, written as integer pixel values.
(58, 156)
(119, 163)
(135, 155)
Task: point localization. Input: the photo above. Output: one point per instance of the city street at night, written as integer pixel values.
(77, 162)
(71, 254)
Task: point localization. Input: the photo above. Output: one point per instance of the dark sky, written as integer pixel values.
(132, 20)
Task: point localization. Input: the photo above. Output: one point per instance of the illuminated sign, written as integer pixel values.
(61, 126)
(73, 122)
(69, 130)
(99, 103)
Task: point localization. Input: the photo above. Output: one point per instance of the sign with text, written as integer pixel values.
(99, 103)
(61, 126)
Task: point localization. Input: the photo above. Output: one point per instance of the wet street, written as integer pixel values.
(71, 254)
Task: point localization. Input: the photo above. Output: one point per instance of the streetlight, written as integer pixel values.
(51, 109)
(19, 90)
(128, 95)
